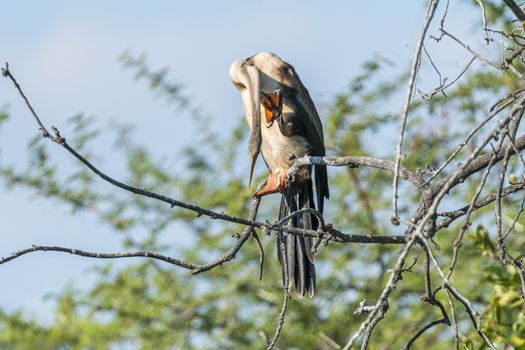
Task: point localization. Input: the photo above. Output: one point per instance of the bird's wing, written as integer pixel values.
(311, 127)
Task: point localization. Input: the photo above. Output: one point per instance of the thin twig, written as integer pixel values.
(404, 115)
(286, 287)
(474, 130)
(261, 254)
(511, 133)
(444, 86)
(441, 80)
(484, 19)
(7, 73)
(483, 58)
(312, 211)
(466, 224)
(519, 270)
(454, 320)
(451, 216)
(479, 163)
(516, 218)
(430, 298)
(423, 330)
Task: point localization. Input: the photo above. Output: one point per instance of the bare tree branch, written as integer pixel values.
(356, 161)
(432, 5)
(74, 251)
(453, 215)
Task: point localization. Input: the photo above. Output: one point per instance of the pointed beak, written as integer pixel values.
(254, 145)
(252, 166)
(254, 113)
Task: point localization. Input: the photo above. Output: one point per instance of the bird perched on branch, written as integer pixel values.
(285, 125)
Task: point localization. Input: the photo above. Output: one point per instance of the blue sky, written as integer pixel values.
(65, 56)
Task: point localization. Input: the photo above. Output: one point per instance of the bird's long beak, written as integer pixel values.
(254, 145)
(252, 166)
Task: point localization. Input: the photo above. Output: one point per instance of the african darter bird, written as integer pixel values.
(285, 125)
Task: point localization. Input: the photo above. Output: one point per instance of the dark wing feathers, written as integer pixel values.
(313, 129)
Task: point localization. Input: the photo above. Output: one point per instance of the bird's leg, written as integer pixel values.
(272, 105)
(276, 183)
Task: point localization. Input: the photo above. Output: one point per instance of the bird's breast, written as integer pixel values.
(277, 149)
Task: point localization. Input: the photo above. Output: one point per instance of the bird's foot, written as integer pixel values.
(276, 183)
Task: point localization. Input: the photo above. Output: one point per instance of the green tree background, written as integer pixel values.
(151, 305)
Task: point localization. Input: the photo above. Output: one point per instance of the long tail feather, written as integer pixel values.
(299, 257)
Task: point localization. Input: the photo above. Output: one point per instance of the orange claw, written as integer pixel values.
(276, 183)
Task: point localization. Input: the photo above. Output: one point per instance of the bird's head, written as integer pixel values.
(246, 79)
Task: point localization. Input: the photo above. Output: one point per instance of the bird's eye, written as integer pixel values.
(240, 86)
